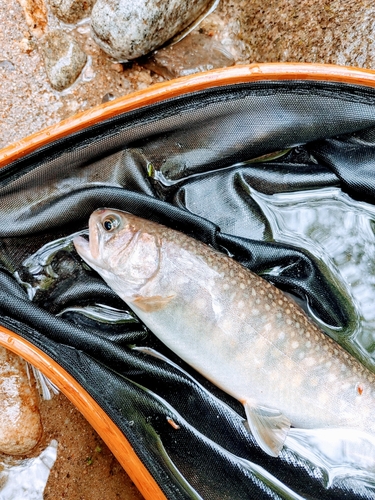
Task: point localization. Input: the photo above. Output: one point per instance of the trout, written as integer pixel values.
(239, 331)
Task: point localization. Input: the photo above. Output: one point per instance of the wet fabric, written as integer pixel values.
(192, 163)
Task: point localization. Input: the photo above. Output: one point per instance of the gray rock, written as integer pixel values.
(63, 59)
(127, 29)
(4, 64)
(196, 52)
(71, 11)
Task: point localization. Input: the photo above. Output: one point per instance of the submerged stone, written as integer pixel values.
(126, 30)
(63, 59)
(8, 65)
(194, 53)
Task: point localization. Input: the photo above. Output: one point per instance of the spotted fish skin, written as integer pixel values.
(239, 331)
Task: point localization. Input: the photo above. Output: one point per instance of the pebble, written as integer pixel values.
(63, 59)
(4, 64)
(108, 97)
(26, 45)
(196, 52)
(127, 30)
(71, 11)
(36, 16)
(118, 67)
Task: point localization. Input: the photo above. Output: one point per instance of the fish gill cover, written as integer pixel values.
(277, 175)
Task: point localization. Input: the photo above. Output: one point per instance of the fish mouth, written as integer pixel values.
(82, 246)
(89, 247)
(94, 233)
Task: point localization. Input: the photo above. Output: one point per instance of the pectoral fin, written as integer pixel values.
(268, 426)
(151, 304)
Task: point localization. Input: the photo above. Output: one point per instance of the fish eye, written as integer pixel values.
(110, 223)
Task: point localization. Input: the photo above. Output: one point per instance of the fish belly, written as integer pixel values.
(258, 346)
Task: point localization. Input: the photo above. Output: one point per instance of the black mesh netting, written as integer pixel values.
(186, 163)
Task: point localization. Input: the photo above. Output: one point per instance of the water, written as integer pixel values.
(101, 313)
(340, 233)
(272, 483)
(38, 266)
(26, 479)
(165, 181)
(333, 456)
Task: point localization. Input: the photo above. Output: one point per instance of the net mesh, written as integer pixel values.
(187, 163)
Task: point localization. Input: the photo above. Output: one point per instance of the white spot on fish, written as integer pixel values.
(332, 377)
(323, 397)
(226, 325)
(200, 303)
(295, 344)
(314, 382)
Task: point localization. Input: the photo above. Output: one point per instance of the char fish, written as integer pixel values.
(240, 332)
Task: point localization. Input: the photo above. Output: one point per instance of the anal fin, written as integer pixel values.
(151, 304)
(269, 427)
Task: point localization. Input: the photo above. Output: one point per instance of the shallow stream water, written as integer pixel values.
(340, 233)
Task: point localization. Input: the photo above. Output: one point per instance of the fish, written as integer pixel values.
(239, 331)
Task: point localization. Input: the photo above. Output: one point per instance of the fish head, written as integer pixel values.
(121, 247)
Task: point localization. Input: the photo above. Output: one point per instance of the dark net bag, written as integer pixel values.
(196, 162)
